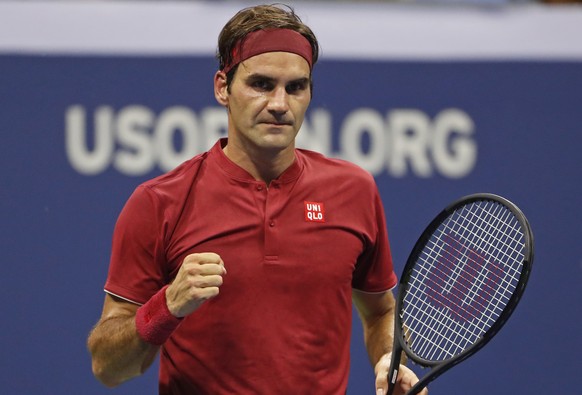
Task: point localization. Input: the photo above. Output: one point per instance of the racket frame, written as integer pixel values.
(439, 367)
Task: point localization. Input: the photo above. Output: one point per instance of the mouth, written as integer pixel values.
(275, 123)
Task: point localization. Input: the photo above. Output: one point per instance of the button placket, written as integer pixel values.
(271, 231)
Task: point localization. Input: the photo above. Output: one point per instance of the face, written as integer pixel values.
(266, 102)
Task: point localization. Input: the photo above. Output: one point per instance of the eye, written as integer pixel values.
(261, 84)
(296, 86)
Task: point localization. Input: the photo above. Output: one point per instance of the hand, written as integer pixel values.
(198, 280)
(405, 381)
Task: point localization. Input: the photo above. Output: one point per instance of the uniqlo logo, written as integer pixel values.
(314, 212)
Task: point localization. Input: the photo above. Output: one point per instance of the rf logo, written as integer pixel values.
(314, 212)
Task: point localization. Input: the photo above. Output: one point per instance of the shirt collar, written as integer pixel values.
(237, 172)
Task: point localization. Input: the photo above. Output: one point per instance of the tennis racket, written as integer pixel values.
(463, 279)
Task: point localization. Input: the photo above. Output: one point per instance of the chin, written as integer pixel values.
(277, 144)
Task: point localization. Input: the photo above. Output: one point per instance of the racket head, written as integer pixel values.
(445, 312)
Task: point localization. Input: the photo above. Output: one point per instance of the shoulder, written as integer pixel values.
(159, 201)
(321, 166)
(177, 182)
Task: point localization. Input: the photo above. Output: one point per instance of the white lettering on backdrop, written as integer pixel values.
(134, 140)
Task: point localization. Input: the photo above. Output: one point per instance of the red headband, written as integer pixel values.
(270, 40)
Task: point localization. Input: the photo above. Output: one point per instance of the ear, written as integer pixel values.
(221, 88)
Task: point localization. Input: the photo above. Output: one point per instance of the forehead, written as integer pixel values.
(277, 65)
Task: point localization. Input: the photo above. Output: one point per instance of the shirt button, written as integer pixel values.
(271, 224)
(259, 188)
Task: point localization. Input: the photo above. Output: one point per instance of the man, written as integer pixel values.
(295, 231)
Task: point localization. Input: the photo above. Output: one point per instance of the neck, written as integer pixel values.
(263, 166)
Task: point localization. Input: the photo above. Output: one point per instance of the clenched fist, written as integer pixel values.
(198, 280)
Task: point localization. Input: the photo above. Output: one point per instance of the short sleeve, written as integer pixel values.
(374, 270)
(137, 264)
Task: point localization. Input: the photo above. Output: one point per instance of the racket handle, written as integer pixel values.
(394, 368)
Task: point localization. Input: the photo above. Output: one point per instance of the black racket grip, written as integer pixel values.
(394, 368)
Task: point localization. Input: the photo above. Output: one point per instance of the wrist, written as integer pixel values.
(154, 322)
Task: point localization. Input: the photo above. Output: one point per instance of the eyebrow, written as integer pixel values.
(258, 77)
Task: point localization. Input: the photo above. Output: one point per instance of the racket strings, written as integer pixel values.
(463, 279)
(470, 266)
(459, 337)
(425, 344)
(510, 235)
(485, 244)
(469, 269)
(450, 300)
(507, 232)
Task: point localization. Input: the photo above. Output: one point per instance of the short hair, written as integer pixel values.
(248, 20)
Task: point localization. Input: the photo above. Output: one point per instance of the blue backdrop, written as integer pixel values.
(79, 132)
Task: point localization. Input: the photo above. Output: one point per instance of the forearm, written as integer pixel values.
(118, 353)
(378, 336)
(377, 314)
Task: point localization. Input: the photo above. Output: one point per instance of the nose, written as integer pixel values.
(279, 101)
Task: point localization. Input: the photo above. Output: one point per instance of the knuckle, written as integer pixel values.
(191, 258)
(196, 282)
(203, 294)
(196, 294)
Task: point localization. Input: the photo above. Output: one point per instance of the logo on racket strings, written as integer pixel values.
(463, 281)
(314, 212)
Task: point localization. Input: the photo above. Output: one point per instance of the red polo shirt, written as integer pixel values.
(293, 252)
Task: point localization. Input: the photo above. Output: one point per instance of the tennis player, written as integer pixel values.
(239, 267)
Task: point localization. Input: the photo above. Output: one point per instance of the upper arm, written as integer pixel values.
(116, 314)
(114, 307)
(372, 306)
(117, 352)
